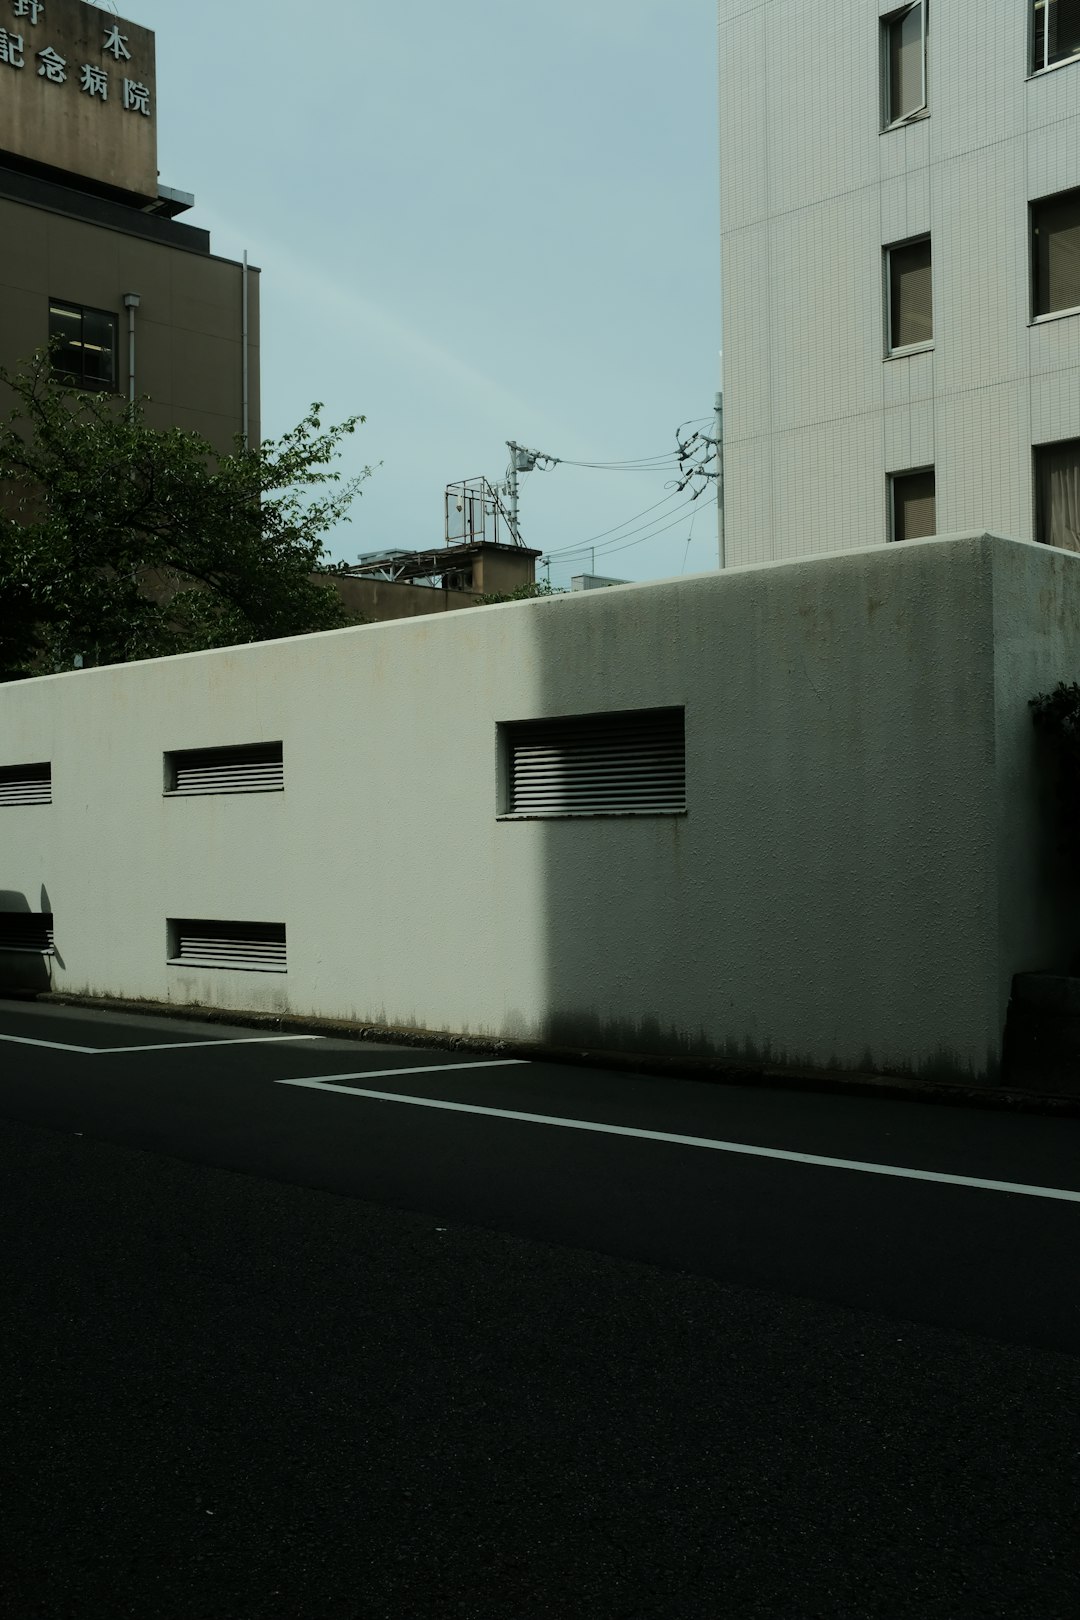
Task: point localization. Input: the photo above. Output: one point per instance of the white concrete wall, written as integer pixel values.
(811, 192)
(862, 867)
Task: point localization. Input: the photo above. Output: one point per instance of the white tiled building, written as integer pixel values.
(900, 205)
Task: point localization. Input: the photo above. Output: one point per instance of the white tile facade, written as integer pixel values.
(812, 191)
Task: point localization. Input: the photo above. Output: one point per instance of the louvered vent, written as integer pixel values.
(26, 784)
(27, 931)
(255, 947)
(254, 768)
(600, 764)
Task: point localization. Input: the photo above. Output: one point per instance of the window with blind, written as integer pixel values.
(1057, 494)
(910, 295)
(26, 784)
(904, 92)
(29, 931)
(252, 768)
(253, 947)
(1055, 33)
(631, 764)
(913, 504)
(1055, 240)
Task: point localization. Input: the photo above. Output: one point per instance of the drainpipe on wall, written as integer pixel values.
(244, 392)
(131, 304)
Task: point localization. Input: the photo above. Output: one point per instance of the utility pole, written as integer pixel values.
(512, 488)
(719, 408)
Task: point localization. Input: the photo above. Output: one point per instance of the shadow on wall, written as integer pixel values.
(740, 929)
(22, 972)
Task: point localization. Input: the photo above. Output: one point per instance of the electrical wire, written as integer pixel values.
(674, 524)
(583, 546)
(623, 544)
(646, 464)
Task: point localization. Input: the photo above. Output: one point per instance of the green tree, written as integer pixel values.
(521, 593)
(121, 541)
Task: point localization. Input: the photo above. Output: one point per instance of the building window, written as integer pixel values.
(251, 768)
(621, 764)
(913, 506)
(85, 353)
(1055, 33)
(904, 63)
(1057, 494)
(910, 295)
(1055, 237)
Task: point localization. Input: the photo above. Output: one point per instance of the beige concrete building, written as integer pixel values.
(900, 202)
(93, 252)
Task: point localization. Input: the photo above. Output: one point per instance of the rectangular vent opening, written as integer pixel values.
(26, 784)
(599, 764)
(250, 768)
(255, 947)
(27, 931)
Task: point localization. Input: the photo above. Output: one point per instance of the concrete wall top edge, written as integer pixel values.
(594, 602)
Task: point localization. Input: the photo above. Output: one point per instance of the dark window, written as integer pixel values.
(913, 505)
(911, 304)
(905, 62)
(1055, 226)
(1057, 494)
(251, 768)
(1055, 33)
(27, 931)
(26, 784)
(598, 764)
(252, 946)
(85, 353)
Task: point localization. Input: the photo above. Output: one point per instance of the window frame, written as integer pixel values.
(1041, 525)
(64, 376)
(1037, 315)
(886, 25)
(887, 252)
(1039, 68)
(892, 480)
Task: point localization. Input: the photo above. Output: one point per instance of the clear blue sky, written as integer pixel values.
(475, 222)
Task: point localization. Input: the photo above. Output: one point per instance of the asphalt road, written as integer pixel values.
(418, 1360)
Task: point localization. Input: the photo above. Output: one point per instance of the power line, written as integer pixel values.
(610, 551)
(589, 544)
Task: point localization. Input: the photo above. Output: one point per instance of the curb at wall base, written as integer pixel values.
(716, 1071)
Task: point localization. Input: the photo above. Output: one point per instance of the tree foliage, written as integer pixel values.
(121, 541)
(521, 593)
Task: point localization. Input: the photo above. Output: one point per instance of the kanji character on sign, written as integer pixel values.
(116, 42)
(11, 49)
(53, 66)
(95, 81)
(29, 8)
(136, 97)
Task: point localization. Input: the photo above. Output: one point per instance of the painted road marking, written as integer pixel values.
(54, 1046)
(332, 1083)
(164, 1046)
(428, 1068)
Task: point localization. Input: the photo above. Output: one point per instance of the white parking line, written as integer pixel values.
(183, 1046)
(54, 1046)
(163, 1046)
(332, 1083)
